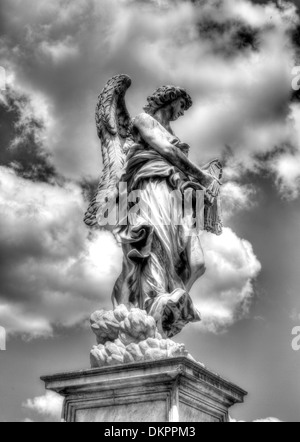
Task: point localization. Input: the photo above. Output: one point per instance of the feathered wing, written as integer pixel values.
(113, 121)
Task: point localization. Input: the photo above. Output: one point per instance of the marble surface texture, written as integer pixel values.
(170, 390)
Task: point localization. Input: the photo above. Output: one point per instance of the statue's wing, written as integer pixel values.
(113, 121)
(213, 219)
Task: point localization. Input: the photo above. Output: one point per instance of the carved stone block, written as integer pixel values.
(170, 390)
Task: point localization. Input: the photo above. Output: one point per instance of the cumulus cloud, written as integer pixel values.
(23, 133)
(53, 270)
(269, 419)
(286, 164)
(47, 407)
(295, 315)
(237, 197)
(235, 58)
(225, 293)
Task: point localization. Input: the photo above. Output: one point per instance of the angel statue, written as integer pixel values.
(162, 260)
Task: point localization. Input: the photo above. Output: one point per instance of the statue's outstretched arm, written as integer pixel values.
(161, 140)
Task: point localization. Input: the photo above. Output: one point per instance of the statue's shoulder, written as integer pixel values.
(144, 121)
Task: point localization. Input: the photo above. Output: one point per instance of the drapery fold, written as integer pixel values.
(161, 257)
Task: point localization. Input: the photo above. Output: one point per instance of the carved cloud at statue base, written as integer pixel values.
(128, 335)
(138, 376)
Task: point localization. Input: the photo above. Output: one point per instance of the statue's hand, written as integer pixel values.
(206, 179)
(185, 148)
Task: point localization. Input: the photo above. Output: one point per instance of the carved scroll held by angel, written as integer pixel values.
(162, 260)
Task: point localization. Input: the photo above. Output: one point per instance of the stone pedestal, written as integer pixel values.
(171, 390)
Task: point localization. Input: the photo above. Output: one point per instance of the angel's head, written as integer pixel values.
(173, 100)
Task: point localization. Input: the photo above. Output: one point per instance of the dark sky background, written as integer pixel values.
(235, 57)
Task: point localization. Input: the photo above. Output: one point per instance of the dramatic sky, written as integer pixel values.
(236, 58)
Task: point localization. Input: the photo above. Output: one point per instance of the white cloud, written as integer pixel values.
(287, 169)
(26, 323)
(63, 275)
(258, 15)
(56, 272)
(61, 51)
(49, 406)
(269, 419)
(295, 315)
(237, 197)
(224, 295)
(240, 93)
(232, 420)
(286, 165)
(241, 100)
(53, 270)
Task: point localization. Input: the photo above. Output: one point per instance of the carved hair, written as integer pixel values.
(164, 96)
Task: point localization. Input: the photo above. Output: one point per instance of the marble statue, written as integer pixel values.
(162, 259)
(128, 335)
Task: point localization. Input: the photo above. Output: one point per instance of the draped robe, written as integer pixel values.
(162, 260)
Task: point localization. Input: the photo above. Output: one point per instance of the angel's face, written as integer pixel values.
(178, 109)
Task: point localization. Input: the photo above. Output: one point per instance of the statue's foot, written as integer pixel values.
(172, 312)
